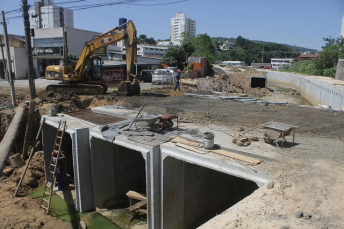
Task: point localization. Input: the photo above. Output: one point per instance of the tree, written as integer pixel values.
(204, 47)
(143, 39)
(327, 60)
(175, 56)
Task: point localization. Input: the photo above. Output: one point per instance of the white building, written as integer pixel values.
(47, 15)
(182, 27)
(342, 32)
(150, 51)
(48, 45)
(277, 63)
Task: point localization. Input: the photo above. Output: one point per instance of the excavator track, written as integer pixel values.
(84, 89)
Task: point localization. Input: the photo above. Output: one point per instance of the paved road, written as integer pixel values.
(42, 83)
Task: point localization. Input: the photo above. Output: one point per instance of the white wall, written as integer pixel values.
(18, 61)
(317, 90)
(76, 39)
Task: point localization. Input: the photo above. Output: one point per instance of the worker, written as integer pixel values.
(59, 168)
(177, 79)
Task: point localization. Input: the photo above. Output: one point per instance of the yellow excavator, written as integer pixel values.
(86, 76)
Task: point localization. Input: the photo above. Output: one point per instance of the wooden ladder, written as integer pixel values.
(51, 179)
(33, 150)
(30, 130)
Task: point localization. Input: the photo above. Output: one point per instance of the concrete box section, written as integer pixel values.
(184, 189)
(78, 132)
(258, 81)
(121, 166)
(196, 187)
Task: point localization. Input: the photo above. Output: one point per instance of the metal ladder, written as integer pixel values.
(30, 130)
(50, 182)
(33, 150)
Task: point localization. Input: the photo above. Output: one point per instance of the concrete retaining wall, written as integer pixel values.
(317, 90)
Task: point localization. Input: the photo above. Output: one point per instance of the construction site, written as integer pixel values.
(240, 150)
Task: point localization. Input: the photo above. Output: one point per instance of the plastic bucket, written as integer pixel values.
(208, 140)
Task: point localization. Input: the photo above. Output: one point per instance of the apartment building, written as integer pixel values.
(47, 15)
(182, 27)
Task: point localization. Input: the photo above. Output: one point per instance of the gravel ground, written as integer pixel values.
(308, 175)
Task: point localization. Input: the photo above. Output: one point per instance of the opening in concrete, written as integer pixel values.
(193, 194)
(68, 191)
(258, 81)
(115, 171)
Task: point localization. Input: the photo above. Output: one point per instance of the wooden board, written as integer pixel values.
(186, 142)
(237, 156)
(136, 195)
(190, 148)
(138, 205)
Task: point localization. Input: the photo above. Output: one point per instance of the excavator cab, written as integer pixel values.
(93, 70)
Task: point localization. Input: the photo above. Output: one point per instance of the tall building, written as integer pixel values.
(342, 32)
(182, 27)
(47, 15)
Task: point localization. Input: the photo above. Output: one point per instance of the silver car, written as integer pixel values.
(162, 76)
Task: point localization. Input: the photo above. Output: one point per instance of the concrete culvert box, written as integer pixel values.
(258, 81)
(193, 194)
(77, 162)
(115, 171)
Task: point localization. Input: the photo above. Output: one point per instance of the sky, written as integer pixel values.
(295, 22)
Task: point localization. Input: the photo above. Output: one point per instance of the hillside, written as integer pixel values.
(292, 47)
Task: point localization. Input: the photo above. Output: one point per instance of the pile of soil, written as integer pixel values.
(234, 81)
(34, 175)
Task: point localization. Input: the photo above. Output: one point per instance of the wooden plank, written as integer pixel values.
(186, 142)
(190, 148)
(137, 205)
(143, 211)
(136, 195)
(239, 157)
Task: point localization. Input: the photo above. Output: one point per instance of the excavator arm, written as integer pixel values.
(110, 37)
(82, 80)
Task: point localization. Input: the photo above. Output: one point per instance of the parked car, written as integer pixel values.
(174, 69)
(267, 67)
(145, 76)
(162, 76)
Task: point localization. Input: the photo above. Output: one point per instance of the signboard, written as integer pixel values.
(47, 51)
(100, 52)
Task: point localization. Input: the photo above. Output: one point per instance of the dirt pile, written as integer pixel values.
(68, 102)
(234, 81)
(34, 176)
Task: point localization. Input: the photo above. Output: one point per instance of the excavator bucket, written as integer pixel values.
(127, 88)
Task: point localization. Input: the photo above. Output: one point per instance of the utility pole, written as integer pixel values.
(65, 47)
(263, 56)
(28, 50)
(3, 57)
(9, 64)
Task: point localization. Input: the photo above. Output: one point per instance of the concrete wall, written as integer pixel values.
(316, 91)
(76, 39)
(340, 70)
(18, 60)
(115, 171)
(81, 162)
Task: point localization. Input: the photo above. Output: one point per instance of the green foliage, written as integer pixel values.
(252, 51)
(199, 46)
(305, 67)
(72, 56)
(326, 62)
(189, 67)
(204, 47)
(143, 39)
(175, 56)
